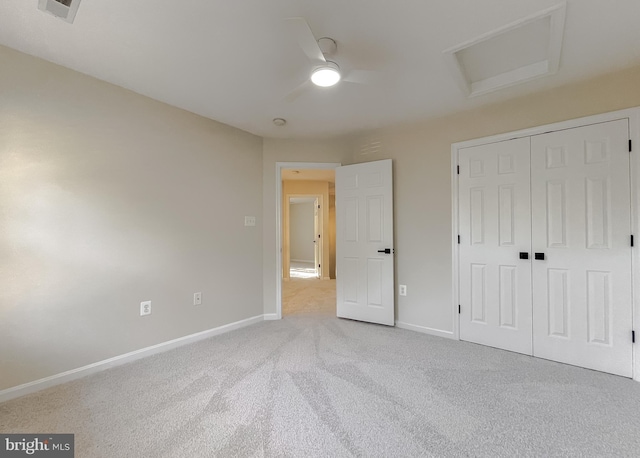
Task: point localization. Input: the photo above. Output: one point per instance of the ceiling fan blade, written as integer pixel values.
(361, 77)
(305, 38)
(297, 92)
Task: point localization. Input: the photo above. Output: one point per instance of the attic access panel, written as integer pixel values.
(64, 9)
(518, 52)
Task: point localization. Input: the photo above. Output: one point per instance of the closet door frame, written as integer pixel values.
(633, 115)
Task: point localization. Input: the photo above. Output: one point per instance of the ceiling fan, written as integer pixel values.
(325, 72)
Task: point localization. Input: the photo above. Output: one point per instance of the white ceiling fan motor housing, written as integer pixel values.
(328, 46)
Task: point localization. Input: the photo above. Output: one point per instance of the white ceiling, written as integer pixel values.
(235, 62)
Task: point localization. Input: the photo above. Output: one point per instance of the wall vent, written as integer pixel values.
(64, 9)
(370, 146)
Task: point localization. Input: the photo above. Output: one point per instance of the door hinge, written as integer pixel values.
(318, 207)
(631, 239)
(318, 265)
(458, 169)
(319, 235)
(629, 145)
(633, 336)
(459, 309)
(458, 240)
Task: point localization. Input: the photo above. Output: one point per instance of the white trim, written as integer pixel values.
(74, 374)
(454, 243)
(426, 330)
(279, 167)
(629, 113)
(271, 316)
(305, 261)
(633, 115)
(634, 136)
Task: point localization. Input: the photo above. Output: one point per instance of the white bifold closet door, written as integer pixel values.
(495, 226)
(563, 200)
(582, 310)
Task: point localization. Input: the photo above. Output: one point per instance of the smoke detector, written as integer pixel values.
(64, 9)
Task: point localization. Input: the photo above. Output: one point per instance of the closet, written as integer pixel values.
(544, 255)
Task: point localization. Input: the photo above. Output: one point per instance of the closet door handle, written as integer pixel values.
(540, 256)
(524, 255)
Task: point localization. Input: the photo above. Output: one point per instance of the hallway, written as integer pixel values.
(308, 296)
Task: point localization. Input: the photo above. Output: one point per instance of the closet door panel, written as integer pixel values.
(495, 226)
(581, 224)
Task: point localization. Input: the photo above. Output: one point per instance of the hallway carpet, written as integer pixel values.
(318, 386)
(308, 295)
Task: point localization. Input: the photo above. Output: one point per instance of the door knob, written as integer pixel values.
(539, 256)
(385, 251)
(524, 255)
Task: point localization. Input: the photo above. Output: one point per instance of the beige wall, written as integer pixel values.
(421, 156)
(108, 198)
(284, 150)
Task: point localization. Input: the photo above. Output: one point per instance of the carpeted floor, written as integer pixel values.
(308, 296)
(315, 385)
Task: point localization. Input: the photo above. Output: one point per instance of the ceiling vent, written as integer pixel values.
(64, 9)
(524, 50)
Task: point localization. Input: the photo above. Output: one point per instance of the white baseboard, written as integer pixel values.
(47, 382)
(426, 330)
(271, 316)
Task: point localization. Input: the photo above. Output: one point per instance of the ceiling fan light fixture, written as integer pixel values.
(327, 75)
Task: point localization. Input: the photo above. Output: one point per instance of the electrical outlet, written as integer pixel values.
(197, 298)
(403, 290)
(145, 308)
(249, 220)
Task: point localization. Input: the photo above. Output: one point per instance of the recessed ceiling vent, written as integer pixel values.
(64, 9)
(524, 50)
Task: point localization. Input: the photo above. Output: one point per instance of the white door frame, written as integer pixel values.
(633, 115)
(320, 199)
(280, 166)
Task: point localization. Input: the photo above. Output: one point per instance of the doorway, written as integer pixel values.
(306, 226)
(305, 237)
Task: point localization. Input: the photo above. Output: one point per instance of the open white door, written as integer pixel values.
(364, 242)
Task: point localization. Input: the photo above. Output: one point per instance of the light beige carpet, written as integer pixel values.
(312, 385)
(308, 295)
